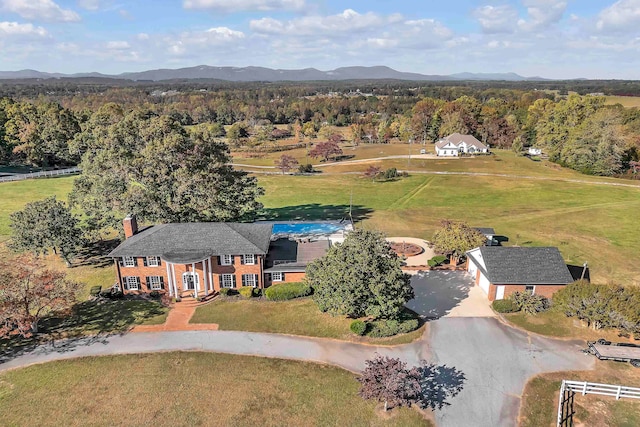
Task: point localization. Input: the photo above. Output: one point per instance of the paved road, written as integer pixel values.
(497, 361)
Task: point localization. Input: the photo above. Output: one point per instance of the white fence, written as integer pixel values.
(617, 391)
(43, 174)
(570, 388)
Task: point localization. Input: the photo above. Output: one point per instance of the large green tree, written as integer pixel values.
(46, 225)
(153, 167)
(454, 238)
(360, 277)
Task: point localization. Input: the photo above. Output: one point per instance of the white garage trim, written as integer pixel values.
(484, 283)
(499, 292)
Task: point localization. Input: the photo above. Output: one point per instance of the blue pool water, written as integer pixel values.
(304, 228)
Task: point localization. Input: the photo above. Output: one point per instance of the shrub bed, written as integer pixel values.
(358, 327)
(504, 306)
(436, 260)
(405, 323)
(530, 304)
(246, 291)
(287, 291)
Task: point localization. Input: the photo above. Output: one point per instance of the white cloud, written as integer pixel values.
(244, 5)
(45, 10)
(496, 19)
(542, 14)
(8, 29)
(193, 41)
(118, 45)
(622, 15)
(89, 4)
(348, 21)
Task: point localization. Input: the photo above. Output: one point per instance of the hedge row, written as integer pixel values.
(287, 291)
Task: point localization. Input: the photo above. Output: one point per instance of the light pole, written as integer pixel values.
(409, 158)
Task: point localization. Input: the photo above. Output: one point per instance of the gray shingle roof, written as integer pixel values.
(185, 242)
(524, 266)
(457, 138)
(486, 230)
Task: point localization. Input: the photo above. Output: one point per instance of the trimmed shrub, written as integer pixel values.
(390, 173)
(437, 260)
(154, 294)
(95, 290)
(287, 291)
(504, 306)
(307, 168)
(388, 328)
(530, 304)
(257, 292)
(246, 291)
(227, 292)
(358, 327)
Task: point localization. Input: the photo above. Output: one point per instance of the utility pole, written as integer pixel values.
(584, 270)
(409, 158)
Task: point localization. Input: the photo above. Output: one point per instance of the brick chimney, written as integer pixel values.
(130, 225)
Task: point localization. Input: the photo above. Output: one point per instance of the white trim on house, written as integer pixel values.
(249, 259)
(500, 292)
(155, 283)
(250, 280)
(226, 281)
(153, 261)
(185, 282)
(533, 289)
(226, 259)
(170, 284)
(132, 283)
(128, 261)
(277, 276)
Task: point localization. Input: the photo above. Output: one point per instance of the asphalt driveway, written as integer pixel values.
(447, 293)
(496, 361)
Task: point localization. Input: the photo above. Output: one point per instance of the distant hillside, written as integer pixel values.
(253, 74)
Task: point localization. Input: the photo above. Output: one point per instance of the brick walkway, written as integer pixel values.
(178, 319)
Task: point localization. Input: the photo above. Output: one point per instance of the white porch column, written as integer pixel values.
(173, 279)
(169, 284)
(205, 276)
(196, 282)
(210, 275)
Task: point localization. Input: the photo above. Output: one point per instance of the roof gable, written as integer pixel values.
(468, 140)
(530, 266)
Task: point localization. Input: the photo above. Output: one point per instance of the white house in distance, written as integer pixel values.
(533, 151)
(454, 144)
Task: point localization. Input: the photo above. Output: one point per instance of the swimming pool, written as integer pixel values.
(307, 228)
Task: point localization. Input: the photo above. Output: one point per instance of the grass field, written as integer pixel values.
(625, 101)
(553, 323)
(588, 222)
(296, 317)
(188, 389)
(540, 398)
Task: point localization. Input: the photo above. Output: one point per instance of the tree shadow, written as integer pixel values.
(93, 254)
(577, 272)
(437, 292)
(88, 322)
(316, 212)
(439, 384)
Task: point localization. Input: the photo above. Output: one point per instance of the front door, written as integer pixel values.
(499, 292)
(189, 281)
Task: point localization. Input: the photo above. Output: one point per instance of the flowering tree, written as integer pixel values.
(28, 292)
(387, 380)
(286, 162)
(372, 172)
(326, 150)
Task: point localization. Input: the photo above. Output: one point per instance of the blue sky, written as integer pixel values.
(550, 38)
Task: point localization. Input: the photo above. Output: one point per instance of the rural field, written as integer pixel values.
(625, 101)
(587, 220)
(188, 389)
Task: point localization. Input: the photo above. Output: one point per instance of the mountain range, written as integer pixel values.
(253, 74)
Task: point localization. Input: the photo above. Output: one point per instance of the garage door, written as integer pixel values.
(484, 283)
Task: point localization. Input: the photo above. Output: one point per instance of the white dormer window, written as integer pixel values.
(226, 259)
(249, 259)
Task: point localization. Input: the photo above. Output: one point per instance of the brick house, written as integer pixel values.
(501, 271)
(186, 259)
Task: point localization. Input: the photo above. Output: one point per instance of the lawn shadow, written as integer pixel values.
(88, 322)
(439, 383)
(316, 212)
(93, 254)
(437, 292)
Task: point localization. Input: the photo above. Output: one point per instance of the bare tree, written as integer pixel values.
(286, 162)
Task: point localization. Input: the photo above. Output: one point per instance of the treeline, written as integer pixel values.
(579, 132)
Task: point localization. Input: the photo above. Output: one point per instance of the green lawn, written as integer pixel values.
(297, 317)
(188, 389)
(540, 398)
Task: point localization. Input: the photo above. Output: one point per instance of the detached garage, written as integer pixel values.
(501, 271)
